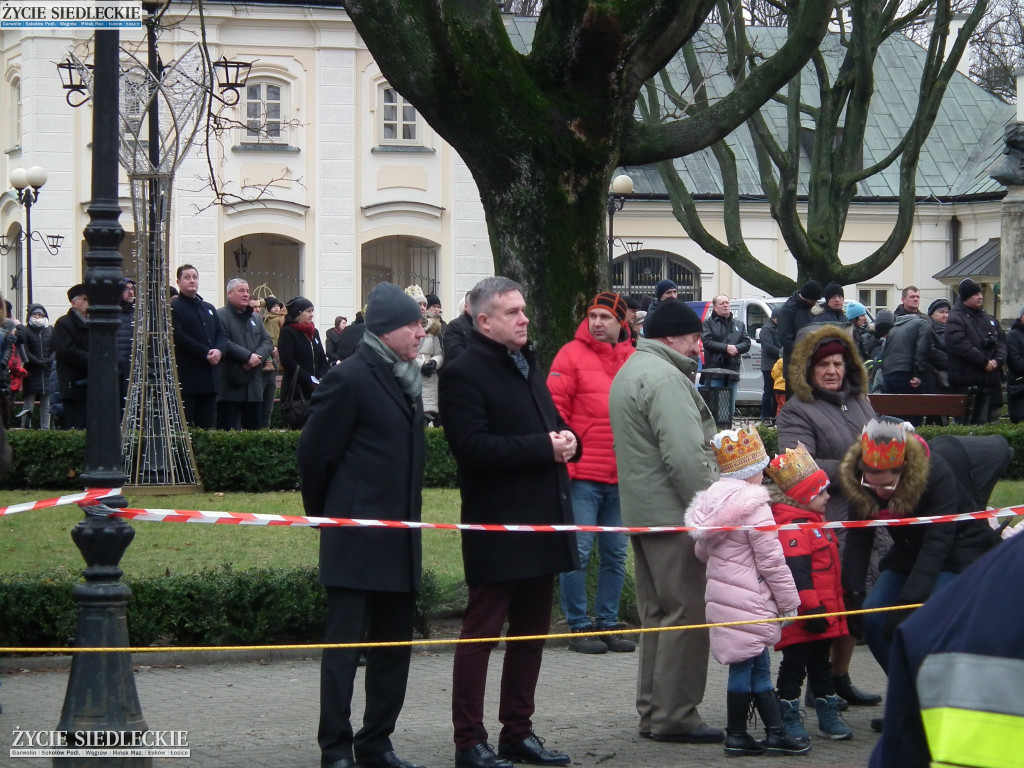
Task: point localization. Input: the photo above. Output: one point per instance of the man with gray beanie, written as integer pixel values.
(662, 430)
(361, 454)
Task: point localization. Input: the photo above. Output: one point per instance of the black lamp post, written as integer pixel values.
(101, 693)
(28, 183)
(621, 186)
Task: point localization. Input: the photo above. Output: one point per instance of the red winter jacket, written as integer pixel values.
(580, 379)
(813, 558)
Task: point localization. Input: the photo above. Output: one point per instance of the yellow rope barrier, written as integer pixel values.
(452, 641)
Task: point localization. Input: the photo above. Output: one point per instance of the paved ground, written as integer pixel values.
(246, 713)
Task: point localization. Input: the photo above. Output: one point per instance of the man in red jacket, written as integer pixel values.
(581, 376)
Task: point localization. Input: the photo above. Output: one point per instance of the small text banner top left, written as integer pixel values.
(70, 14)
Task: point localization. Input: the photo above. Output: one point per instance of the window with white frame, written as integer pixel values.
(15, 126)
(265, 107)
(875, 298)
(398, 119)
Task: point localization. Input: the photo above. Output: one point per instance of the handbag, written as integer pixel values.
(295, 410)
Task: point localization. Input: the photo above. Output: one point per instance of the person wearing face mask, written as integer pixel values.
(71, 348)
(37, 344)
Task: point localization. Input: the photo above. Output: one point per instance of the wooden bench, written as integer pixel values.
(957, 406)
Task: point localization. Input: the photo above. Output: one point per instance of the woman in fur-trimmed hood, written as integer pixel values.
(923, 558)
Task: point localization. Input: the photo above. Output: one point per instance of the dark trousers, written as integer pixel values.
(355, 616)
(231, 413)
(898, 383)
(768, 408)
(811, 658)
(73, 416)
(200, 410)
(526, 603)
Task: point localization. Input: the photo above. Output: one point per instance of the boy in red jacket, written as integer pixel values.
(800, 496)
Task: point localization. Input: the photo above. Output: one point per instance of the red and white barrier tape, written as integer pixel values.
(90, 494)
(251, 518)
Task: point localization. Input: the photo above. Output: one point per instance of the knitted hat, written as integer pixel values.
(884, 321)
(968, 288)
(612, 302)
(662, 286)
(797, 475)
(827, 348)
(740, 454)
(432, 299)
(272, 301)
(938, 304)
(883, 442)
(417, 294)
(389, 307)
(297, 306)
(37, 308)
(75, 291)
(129, 281)
(855, 309)
(811, 290)
(833, 289)
(672, 318)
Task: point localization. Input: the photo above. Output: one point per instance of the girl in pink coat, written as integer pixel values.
(747, 578)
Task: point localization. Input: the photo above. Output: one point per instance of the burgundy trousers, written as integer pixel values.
(526, 603)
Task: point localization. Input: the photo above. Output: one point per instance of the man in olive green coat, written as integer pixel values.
(663, 431)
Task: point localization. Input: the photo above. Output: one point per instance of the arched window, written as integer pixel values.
(636, 273)
(266, 104)
(400, 260)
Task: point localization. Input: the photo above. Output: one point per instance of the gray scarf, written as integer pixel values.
(407, 372)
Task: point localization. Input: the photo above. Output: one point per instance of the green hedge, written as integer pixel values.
(219, 606)
(253, 462)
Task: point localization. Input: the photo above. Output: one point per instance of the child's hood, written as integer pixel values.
(727, 502)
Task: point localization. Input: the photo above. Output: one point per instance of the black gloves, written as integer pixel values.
(429, 368)
(817, 625)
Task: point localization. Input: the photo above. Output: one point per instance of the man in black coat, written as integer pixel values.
(71, 350)
(455, 336)
(798, 311)
(198, 348)
(511, 446)
(361, 454)
(125, 336)
(976, 351)
(247, 347)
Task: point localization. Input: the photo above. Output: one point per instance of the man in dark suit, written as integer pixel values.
(361, 454)
(198, 347)
(511, 446)
(71, 350)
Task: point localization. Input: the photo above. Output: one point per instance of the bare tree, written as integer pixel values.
(842, 89)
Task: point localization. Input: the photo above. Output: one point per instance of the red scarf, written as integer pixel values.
(306, 329)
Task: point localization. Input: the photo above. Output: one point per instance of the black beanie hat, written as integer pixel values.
(272, 301)
(612, 302)
(297, 306)
(389, 307)
(811, 290)
(833, 289)
(662, 286)
(938, 304)
(968, 288)
(432, 299)
(671, 318)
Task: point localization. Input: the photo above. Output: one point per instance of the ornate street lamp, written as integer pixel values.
(27, 184)
(242, 255)
(621, 186)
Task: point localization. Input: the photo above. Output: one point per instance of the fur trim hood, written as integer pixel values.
(799, 376)
(726, 502)
(864, 505)
(432, 324)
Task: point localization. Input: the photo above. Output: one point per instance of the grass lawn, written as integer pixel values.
(40, 540)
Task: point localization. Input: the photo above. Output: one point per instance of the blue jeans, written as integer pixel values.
(751, 676)
(732, 384)
(595, 504)
(886, 592)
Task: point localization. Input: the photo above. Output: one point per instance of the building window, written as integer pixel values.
(875, 299)
(264, 111)
(15, 114)
(398, 119)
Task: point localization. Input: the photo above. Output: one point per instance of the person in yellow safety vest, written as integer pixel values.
(956, 672)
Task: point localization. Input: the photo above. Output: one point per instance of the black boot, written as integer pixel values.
(854, 695)
(739, 743)
(776, 741)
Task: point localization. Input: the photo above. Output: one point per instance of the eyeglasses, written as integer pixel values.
(877, 487)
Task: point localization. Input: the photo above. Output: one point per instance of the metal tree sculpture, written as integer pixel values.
(161, 111)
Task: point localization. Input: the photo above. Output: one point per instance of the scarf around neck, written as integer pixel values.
(406, 372)
(306, 329)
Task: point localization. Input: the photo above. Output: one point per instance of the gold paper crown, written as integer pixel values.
(789, 468)
(883, 443)
(740, 454)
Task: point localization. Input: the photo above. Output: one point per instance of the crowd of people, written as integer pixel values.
(616, 433)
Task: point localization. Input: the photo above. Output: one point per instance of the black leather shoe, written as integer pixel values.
(853, 694)
(345, 762)
(702, 734)
(877, 723)
(532, 750)
(479, 756)
(385, 760)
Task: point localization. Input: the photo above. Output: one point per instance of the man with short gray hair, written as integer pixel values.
(246, 348)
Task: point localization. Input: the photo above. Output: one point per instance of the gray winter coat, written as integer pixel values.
(245, 335)
(907, 346)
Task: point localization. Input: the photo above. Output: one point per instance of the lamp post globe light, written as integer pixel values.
(621, 186)
(27, 184)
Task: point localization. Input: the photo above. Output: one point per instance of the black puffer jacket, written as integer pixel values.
(973, 337)
(37, 344)
(1015, 349)
(719, 332)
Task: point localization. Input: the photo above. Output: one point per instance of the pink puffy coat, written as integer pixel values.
(747, 573)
